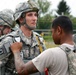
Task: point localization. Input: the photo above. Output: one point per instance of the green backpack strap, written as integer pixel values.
(71, 57)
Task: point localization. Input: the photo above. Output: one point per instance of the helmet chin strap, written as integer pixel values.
(28, 26)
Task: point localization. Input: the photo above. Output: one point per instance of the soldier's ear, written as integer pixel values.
(21, 20)
(59, 30)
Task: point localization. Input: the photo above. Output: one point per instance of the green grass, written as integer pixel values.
(48, 38)
(49, 41)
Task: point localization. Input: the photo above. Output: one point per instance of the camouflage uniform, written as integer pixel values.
(29, 50)
(6, 19)
(74, 38)
(32, 46)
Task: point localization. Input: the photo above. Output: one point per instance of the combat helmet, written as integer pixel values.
(25, 7)
(6, 18)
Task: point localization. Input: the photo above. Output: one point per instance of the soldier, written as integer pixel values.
(26, 16)
(6, 22)
(6, 25)
(55, 59)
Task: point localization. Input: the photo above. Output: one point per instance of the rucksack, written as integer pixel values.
(71, 57)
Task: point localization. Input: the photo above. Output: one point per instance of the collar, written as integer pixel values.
(28, 40)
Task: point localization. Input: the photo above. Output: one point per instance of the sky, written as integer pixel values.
(11, 4)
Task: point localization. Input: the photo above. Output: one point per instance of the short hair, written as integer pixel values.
(64, 22)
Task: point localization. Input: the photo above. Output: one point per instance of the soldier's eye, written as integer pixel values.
(30, 14)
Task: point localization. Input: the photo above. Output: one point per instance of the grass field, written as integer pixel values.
(50, 44)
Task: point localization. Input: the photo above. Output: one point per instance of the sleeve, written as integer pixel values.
(5, 48)
(44, 60)
(4, 54)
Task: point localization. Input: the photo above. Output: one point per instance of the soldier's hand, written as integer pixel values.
(16, 47)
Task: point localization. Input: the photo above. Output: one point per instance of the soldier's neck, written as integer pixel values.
(26, 31)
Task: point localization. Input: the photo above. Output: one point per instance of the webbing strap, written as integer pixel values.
(40, 47)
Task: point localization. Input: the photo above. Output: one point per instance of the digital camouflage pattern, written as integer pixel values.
(71, 57)
(29, 50)
(4, 54)
(31, 45)
(74, 38)
(6, 18)
(25, 7)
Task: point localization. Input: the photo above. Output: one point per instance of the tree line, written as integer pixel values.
(46, 16)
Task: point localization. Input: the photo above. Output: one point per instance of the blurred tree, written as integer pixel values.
(74, 22)
(63, 8)
(44, 22)
(43, 6)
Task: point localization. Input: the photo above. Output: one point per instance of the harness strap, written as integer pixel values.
(40, 47)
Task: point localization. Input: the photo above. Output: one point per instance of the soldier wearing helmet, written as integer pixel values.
(6, 25)
(6, 21)
(21, 11)
(26, 16)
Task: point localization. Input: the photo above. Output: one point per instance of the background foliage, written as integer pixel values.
(46, 17)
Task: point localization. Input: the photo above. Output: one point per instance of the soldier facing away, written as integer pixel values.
(26, 16)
